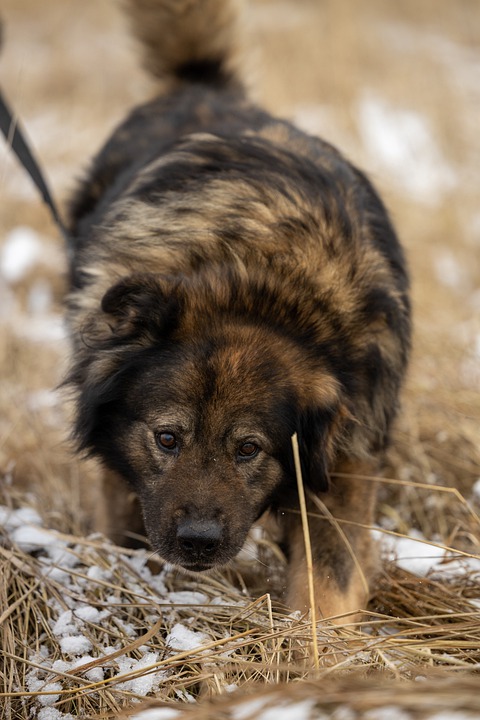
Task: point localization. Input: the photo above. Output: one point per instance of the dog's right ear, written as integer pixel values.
(143, 307)
(135, 314)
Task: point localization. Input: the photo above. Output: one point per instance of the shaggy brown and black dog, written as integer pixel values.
(234, 281)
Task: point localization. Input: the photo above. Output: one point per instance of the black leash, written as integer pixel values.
(15, 137)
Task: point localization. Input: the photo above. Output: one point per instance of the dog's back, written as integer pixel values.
(248, 276)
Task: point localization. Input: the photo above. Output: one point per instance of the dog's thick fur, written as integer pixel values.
(234, 281)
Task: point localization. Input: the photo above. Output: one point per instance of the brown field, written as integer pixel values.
(397, 87)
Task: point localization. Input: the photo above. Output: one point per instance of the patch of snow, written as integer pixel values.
(97, 574)
(476, 490)
(161, 713)
(249, 709)
(343, 713)
(187, 597)
(40, 298)
(62, 577)
(185, 696)
(387, 712)
(301, 710)
(448, 269)
(60, 554)
(126, 627)
(36, 685)
(45, 398)
(49, 713)
(422, 558)
(249, 550)
(95, 674)
(21, 251)
(11, 519)
(65, 625)
(88, 613)
(49, 327)
(138, 563)
(401, 143)
(75, 645)
(32, 538)
(158, 586)
(182, 638)
(61, 666)
(143, 683)
(47, 700)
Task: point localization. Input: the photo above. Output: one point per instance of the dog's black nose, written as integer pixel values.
(199, 539)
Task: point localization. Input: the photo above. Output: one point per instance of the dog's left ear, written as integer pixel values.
(313, 449)
(140, 303)
(321, 433)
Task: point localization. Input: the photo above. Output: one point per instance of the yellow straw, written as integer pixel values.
(308, 547)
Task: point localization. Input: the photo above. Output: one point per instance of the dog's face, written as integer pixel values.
(201, 426)
(206, 445)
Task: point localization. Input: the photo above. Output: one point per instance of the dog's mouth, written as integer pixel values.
(198, 567)
(193, 564)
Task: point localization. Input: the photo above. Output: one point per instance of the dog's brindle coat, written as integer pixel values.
(234, 281)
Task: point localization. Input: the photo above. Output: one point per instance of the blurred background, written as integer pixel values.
(396, 86)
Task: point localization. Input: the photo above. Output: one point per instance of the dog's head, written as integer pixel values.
(195, 404)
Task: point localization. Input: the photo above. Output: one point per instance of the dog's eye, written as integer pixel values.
(248, 450)
(166, 441)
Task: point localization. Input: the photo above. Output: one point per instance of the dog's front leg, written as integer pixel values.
(343, 551)
(117, 512)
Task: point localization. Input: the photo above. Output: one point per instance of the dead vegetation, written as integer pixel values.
(87, 627)
(327, 65)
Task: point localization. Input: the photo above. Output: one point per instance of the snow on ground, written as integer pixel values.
(21, 251)
(476, 487)
(41, 328)
(448, 269)
(72, 616)
(401, 144)
(421, 557)
(182, 638)
(164, 713)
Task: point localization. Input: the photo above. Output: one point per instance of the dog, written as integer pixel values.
(234, 281)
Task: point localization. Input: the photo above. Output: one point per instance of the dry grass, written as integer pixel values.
(438, 697)
(318, 63)
(413, 625)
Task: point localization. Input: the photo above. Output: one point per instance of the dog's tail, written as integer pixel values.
(188, 41)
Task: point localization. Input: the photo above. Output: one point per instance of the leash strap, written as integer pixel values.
(15, 137)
